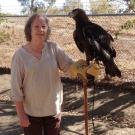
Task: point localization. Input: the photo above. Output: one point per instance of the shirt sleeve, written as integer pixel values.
(63, 60)
(17, 76)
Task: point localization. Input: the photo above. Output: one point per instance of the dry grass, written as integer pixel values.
(62, 29)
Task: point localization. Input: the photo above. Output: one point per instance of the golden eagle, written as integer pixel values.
(94, 41)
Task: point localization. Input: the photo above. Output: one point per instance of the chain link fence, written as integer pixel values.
(110, 97)
(62, 28)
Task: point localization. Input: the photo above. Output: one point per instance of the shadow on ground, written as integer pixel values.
(114, 105)
(114, 97)
(8, 123)
(5, 70)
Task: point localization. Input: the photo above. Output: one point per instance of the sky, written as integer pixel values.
(13, 6)
(10, 6)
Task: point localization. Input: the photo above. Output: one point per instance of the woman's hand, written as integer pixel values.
(23, 117)
(24, 120)
(58, 117)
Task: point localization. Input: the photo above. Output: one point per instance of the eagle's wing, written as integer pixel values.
(100, 52)
(97, 51)
(101, 36)
(77, 41)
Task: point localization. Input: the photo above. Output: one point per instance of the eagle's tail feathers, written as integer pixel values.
(112, 69)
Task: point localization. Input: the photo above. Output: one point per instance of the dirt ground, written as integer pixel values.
(114, 107)
(114, 102)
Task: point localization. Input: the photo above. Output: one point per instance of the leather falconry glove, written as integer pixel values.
(80, 67)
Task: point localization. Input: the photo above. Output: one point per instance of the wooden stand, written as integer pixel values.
(85, 103)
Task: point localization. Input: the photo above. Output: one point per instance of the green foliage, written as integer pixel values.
(4, 36)
(71, 4)
(30, 6)
(55, 11)
(2, 19)
(129, 5)
(101, 7)
(130, 24)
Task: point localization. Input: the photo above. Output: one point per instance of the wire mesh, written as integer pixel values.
(62, 28)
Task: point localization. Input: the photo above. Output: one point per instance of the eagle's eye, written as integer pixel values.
(75, 12)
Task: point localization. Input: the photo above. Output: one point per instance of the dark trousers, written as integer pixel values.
(43, 126)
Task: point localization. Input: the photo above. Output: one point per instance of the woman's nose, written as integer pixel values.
(41, 29)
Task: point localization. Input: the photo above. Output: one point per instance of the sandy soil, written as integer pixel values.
(114, 107)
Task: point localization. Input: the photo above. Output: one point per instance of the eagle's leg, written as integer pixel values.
(87, 59)
(87, 55)
(97, 61)
(107, 76)
(90, 78)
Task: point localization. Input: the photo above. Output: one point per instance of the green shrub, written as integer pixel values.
(128, 24)
(2, 18)
(4, 36)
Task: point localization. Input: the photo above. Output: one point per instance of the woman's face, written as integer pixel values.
(39, 29)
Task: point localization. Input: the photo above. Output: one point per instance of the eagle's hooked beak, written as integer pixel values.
(70, 14)
(73, 13)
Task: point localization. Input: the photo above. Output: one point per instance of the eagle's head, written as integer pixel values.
(78, 15)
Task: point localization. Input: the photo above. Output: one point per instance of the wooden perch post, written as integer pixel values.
(84, 80)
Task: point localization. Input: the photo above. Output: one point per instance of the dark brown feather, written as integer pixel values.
(94, 41)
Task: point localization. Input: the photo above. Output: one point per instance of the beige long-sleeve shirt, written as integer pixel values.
(37, 82)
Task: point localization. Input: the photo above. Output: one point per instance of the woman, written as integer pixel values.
(35, 81)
